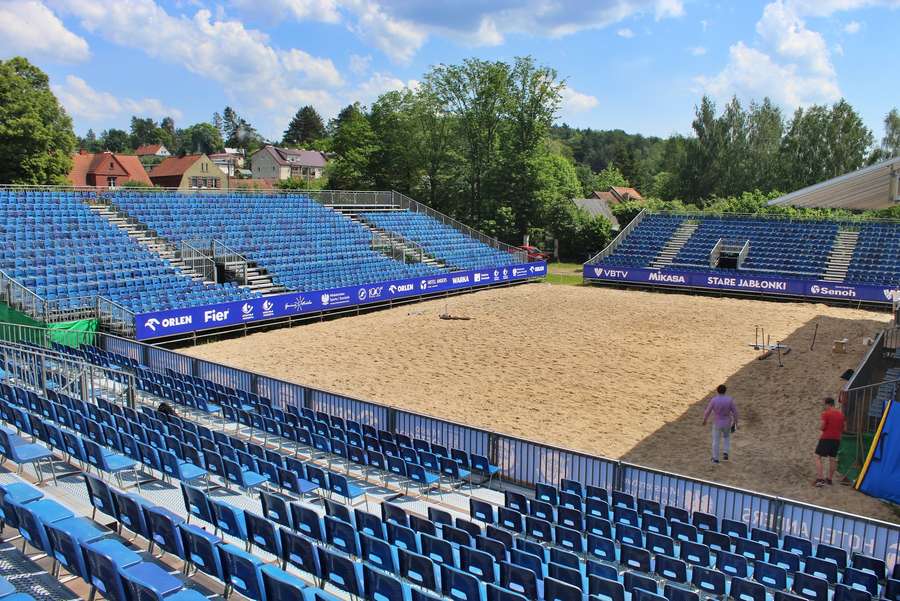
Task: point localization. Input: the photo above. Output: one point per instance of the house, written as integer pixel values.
(271, 162)
(596, 206)
(106, 169)
(152, 150)
(616, 194)
(193, 171)
(226, 162)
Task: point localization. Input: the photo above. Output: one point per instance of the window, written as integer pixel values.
(110, 182)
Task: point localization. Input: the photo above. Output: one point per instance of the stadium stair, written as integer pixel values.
(398, 243)
(681, 236)
(841, 255)
(146, 238)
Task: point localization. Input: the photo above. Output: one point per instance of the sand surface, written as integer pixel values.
(622, 374)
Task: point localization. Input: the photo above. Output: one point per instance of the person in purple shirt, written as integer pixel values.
(725, 417)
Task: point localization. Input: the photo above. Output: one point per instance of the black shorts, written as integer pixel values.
(828, 448)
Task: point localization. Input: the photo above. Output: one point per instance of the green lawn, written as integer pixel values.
(568, 274)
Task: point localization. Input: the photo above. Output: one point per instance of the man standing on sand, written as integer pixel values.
(725, 417)
(829, 441)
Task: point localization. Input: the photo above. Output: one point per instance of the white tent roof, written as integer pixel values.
(873, 187)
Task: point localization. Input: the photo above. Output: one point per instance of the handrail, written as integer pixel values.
(119, 316)
(623, 233)
(197, 260)
(715, 252)
(742, 256)
(405, 202)
(20, 297)
(231, 259)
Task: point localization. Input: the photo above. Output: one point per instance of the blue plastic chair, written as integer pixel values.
(243, 572)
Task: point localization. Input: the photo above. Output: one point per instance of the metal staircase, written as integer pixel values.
(197, 261)
(841, 255)
(391, 244)
(679, 238)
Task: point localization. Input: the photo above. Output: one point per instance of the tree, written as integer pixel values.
(890, 143)
(306, 127)
(167, 134)
(144, 131)
(115, 140)
(36, 136)
(237, 132)
(354, 144)
(90, 142)
(609, 177)
(200, 138)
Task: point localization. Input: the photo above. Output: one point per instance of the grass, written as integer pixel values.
(567, 274)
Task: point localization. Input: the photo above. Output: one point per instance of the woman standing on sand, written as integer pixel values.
(725, 417)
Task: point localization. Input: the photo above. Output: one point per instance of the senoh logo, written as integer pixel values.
(832, 292)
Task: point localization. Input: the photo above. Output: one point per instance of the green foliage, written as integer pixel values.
(354, 144)
(236, 131)
(200, 138)
(134, 184)
(115, 140)
(306, 127)
(299, 183)
(36, 137)
(609, 177)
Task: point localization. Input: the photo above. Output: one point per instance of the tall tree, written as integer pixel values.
(306, 127)
(890, 143)
(115, 140)
(200, 138)
(36, 136)
(238, 132)
(167, 134)
(766, 128)
(355, 145)
(144, 131)
(90, 142)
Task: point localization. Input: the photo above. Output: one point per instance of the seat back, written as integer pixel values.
(242, 572)
(202, 549)
(379, 586)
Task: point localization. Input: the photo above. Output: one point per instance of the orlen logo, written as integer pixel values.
(169, 322)
(826, 291)
(394, 289)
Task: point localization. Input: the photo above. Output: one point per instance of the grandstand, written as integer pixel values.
(270, 491)
(839, 260)
(130, 256)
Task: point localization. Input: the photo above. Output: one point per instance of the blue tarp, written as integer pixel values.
(880, 476)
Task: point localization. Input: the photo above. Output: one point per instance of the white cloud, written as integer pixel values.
(838, 50)
(397, 38)
(753, 73)
(317, 71)
(697, 51)
(669, 8)
(325, 11)
(625, 32)
(782, 29)
(369, 90)
(359, 65)
(852, 27)
(574, 101)
(83, 101)
(29, 28)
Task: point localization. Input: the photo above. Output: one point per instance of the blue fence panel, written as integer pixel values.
(160, 360)
(221, 374)
(852, 533)
(283, 394)
(529, 462)
(374, 415)
(454, 436)
(121, 346)
(697, 495)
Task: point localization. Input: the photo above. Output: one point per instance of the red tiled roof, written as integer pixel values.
(147, 149)
(175, 165)
(106, 164)
(628, 193)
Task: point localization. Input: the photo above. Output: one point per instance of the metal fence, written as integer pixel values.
(528, 462)
(623, 233)
(198, 260)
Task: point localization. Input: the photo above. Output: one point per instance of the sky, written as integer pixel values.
(637, 65)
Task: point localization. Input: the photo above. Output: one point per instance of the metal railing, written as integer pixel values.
(397, 247)
(742, 256)
(623, 233)
(230, 260)
(21, 298)
(115, 316)
(715, 253)
(198, 261)
(357, 198)
(405, 202)
(527, 462)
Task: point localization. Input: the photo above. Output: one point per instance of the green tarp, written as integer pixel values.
(16, 326)
(852, 453)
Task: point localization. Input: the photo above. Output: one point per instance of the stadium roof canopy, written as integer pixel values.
(873, 187)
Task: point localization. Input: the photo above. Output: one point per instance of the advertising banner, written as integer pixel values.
(179, 321)
(744, 282)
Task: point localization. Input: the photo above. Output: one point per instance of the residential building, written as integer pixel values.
(616, 194)
(597, 206)
(193, 171)
(106, 170)
(273, 163)
(226, 162)
(152, 150)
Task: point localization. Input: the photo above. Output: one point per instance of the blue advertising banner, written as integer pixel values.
(743, 282)
(190, 319)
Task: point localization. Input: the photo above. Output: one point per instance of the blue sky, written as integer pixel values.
(638, 65)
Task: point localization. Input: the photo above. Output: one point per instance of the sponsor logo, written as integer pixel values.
(826, 291)
(394, 289)
(362, 294)
(505, 274)
(669, 278)
(617, 274)
(298, 304)
(376, 291)
(326, 298)
(496, 275)
(891, 295)
(461, 279)
(169, 322)
(268, 308)
(246, 311)
(215, 316)
(750, 283)
(423, 285)
(518, 272)
(536, 269)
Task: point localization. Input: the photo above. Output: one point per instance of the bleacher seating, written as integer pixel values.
(303, 245)
(53, 244)
(799, 249)
(556, 542)
(441, 241)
